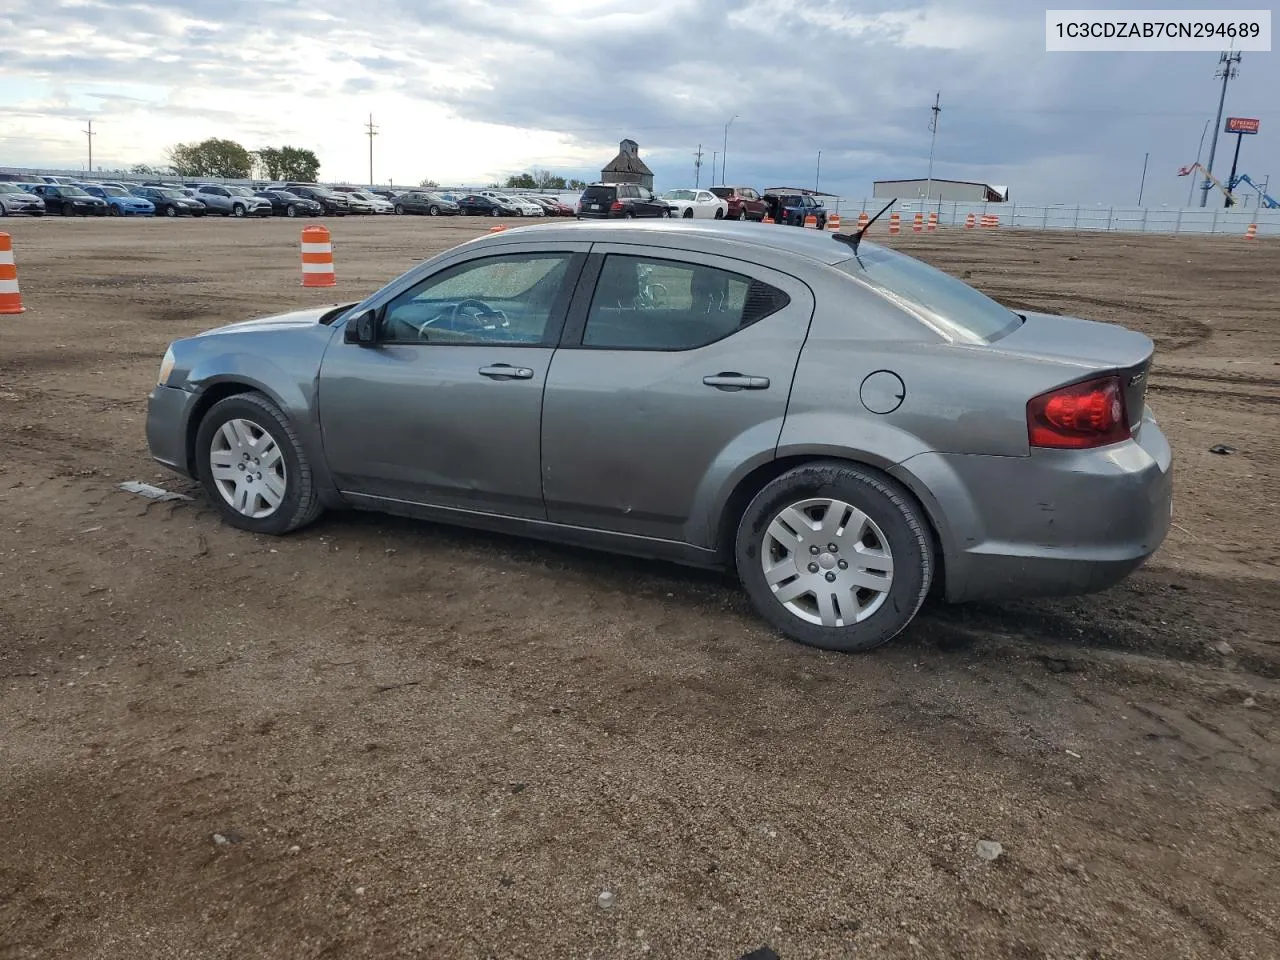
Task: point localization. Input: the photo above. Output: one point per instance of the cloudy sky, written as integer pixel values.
(468, 91)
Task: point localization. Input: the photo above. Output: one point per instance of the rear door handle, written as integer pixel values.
(505, 371)
(736, 381)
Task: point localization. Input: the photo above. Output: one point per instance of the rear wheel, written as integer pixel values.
(253, 467)
(742, 214)
(115, 211)
(835, 556)
(629, 215)
(719, 214)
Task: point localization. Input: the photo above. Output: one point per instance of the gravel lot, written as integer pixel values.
(423, 742)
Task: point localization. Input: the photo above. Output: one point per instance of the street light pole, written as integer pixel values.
(1143, 183)
(1226, 70)
(725, 152)
(90, 134)
(817, 174)
(1191, 188)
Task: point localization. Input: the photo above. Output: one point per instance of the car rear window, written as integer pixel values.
(944, 301)
(600, 194)
(724, 193)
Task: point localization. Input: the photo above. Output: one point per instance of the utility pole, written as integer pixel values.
(1231, 180)
(370, 131)
(1142, 185)
(1226, 70)
(697, 167)
(724, 154)
(933, 139)
(817, 174)
(714, 154)
(90, 134)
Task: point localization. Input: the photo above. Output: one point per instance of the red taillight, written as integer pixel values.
(617, 205)
(1083, 415)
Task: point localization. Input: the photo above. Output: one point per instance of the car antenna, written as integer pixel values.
(853, 239)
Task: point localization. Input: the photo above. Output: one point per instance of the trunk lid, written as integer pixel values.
(1093, 347)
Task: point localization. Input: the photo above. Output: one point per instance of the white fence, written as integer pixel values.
(1060, 216)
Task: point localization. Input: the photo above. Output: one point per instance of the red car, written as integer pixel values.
(744, 203)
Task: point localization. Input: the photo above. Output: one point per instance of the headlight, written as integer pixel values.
(166, 368)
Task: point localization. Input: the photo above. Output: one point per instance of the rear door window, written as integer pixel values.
(643, 303)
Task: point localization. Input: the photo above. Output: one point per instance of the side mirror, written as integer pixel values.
(362, 329)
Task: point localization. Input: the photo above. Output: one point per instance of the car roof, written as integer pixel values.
(691, 235)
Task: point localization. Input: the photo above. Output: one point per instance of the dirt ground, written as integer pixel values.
(431, 743)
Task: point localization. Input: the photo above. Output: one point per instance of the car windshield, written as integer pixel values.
(239, 191)
(113, 191)
(72, 192)
(436, 196)
(944, 301)
(172, 194)
(9, 188)
(680, 195)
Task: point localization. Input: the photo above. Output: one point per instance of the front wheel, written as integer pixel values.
(253, 468)
(719, 214)
(291, 210)
(688, 214)
(433, 211)
(742, 214)
(237, 210)
(170, 211)
(495, 212)
(835, 556)
(115, 211)
(66, 210)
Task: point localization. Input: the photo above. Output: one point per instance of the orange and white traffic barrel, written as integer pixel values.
(811, 221)
(317, 258)
(895, 224)
(863, 220)
(10, 298)
(768, 219)
(969, 222)
(498, 229)
(986, 221)
(933, 221)
(917, 225)
(833, 222)
(1250, 233)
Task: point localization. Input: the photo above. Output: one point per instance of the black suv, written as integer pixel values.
(334, 204)
(602, 201)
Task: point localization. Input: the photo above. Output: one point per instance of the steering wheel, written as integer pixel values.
(469, 315)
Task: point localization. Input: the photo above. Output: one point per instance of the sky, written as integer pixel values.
(470, 91)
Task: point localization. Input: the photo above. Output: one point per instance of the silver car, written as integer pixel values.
(232, 201)
(844, 426)
(14, 198)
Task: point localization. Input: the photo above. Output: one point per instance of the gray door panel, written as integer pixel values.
(633, 440)
(422, 423)
(448, 424)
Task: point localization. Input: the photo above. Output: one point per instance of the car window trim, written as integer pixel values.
(576, 324)
(551, 336)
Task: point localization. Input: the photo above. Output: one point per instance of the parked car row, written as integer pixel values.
(602, 201)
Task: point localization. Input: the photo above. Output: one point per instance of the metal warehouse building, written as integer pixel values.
(961, 190)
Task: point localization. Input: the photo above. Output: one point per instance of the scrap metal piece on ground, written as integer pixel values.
(152, 493)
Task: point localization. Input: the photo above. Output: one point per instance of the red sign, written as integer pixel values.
(1241, 125)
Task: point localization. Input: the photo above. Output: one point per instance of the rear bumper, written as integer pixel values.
(1055, 523)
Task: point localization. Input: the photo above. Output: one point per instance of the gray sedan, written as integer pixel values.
(843, 425)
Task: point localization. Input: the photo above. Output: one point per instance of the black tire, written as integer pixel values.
(629, 215)
(688, 214)
(399, 210)
(495, 212)
(433, 211)
(66, 210)
(301, 503)
(170, 211)
(291, 210)
(37, 213)
(888, 505)
(742, 214)
(719, 214)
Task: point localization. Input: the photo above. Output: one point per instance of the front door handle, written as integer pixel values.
(736, 381)
(505, 371)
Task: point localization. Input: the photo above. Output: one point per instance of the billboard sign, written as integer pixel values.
(1241, 125)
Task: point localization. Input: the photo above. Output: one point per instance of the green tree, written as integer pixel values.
(428, 184)
(288, 163)
(211, 158)
(522, 181)
(143, 170)
(575, 185)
